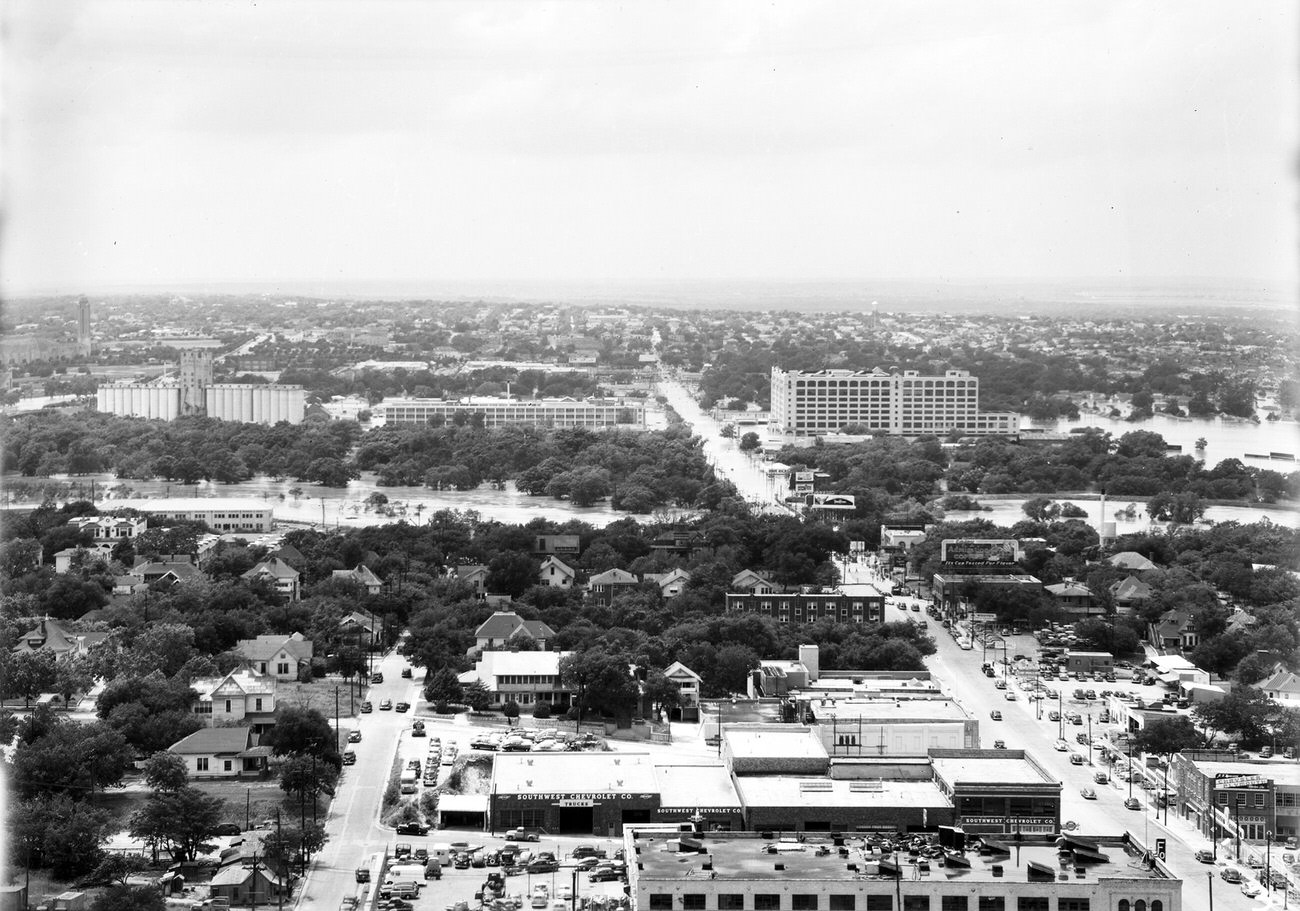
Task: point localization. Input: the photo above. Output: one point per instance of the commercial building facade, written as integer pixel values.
(1226, 797)
(998, 792)
(757, 871)
(220, 513)
(810, 606)
(902, 403)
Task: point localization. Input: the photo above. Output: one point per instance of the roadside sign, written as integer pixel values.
(1160, 848)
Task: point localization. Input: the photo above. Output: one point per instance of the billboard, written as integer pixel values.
(829, 501)
(991, 551)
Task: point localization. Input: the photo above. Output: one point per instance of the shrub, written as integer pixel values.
(510, 709)
(542, 710)
(441, 708)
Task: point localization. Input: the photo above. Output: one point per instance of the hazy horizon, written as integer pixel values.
(346, 144)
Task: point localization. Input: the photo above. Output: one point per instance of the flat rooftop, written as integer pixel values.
(861, 589)
(809, 791)
(773, 742)
(574, 773)
(701, 785)
(746, 856)
(196, 504)
(890, 710)
(1009, 769)
(1283, 772)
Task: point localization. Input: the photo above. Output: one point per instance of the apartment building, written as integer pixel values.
(497, 412)
(900, 403)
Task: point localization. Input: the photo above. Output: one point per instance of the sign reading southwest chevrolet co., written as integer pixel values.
(1241, 781)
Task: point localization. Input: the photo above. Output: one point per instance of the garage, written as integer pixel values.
(577, 820)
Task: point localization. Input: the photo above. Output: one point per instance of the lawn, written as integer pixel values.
(319, 695)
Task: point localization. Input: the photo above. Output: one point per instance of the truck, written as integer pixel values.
(408, 781)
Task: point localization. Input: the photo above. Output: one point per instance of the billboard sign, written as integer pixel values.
(830, 501)
(1241, 781)
(973, 551)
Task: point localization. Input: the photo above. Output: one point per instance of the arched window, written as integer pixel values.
(1140, 905)
(1123, 904)
(1157, 905)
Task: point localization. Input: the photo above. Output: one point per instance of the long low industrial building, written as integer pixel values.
(222, 514)
(497, 412)
(760, 871)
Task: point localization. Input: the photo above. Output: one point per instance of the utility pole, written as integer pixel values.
(336, 717)
(252, 889)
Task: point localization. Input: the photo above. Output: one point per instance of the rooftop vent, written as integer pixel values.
(874, 784)
(778, 866)
(996, 869)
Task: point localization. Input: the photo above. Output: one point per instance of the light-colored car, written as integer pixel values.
(1062, 746)
(1087, 793)
(1251, 889)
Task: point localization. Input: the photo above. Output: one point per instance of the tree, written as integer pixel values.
(600, 681)
(164, 772)
(129, 898)
(1168, 736)
(280, 846)
(442, 686)
(72, 757)
(732, 669)
(301, 730)
(510, 709)
(749, 441)
(511, 573)
(180, 822)
(72, 675)
(115, 868)
(1181, 509)
(662, 693)
(1246, 712)
(30, 674)
(1041, 509)
(476, 696)
(306, 776)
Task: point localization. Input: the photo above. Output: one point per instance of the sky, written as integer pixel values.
(170, 143)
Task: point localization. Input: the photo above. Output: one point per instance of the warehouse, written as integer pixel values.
(1001, 792)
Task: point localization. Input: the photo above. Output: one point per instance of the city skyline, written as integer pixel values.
(347, 144)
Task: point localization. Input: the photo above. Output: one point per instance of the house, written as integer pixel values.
(222, 753)
(283, 577)
(110, 528)
(1173, 632)
(1074, 598)
(555, 573)
(672, 583)
(52, 635)
(688, 689)
(1283, 687)
(475, 575)
(164, 572)
(1130, 593)
(289, 554)
(557, 544)
(681, 541)
(241, 697)
(361, 625)
(248, 881)
(1130, 560)
(1240, 622)
(603, 587)
(525, 677)
(63, 559)
(752, 583)
(362, 576)
(280, 656)
(497, 631)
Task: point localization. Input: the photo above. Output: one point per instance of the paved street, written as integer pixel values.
(958, 672)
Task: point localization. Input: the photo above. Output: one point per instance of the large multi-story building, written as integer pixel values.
(1227, 797)
(762, 871)
(221, 514)
(904, 404)
(495, 412)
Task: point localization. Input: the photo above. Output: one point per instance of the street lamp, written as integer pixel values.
(1090, 739)
(1060, 723)
(1210, 876)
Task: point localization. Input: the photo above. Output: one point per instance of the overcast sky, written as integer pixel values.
(176, 142)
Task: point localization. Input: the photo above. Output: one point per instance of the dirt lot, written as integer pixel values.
(319, 695)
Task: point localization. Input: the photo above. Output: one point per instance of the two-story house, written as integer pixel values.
(525, 677)
(474, 575)
(556, 573)
(283, 577)
(604, 587)
(688, 690)
(753, 583)
(1074, 598)
(362, 576)
(241, 697)
(54, 636)
(498, 630)
(1174, 632)
(672, 583)
(279, 656)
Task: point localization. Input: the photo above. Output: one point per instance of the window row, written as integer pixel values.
(811, 901)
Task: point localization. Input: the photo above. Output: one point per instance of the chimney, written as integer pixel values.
(810, 657)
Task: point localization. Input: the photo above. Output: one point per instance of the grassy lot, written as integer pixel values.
(319, 695)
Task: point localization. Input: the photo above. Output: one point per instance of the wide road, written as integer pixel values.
(958, 672)
(353, 821)
(743, 469)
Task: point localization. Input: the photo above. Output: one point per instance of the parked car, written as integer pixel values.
(999, 744)
(1061, 746)
(349, 757)
(604, 875)
(1088, 794)
(586, 851)
(386, 705)
(354, 737)
(1205, 857)
(1053, 715)
(412, 828)
(1009, 696)
(543, 865)
(1101, 778)
(226, 828)
(406, 673)
(521, 834)
(403, 706)
(376, 678)
(1076, 759)
(1132, 803)
(1231, 875)
(366, 707)
(995, 715)
(1251, 889)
